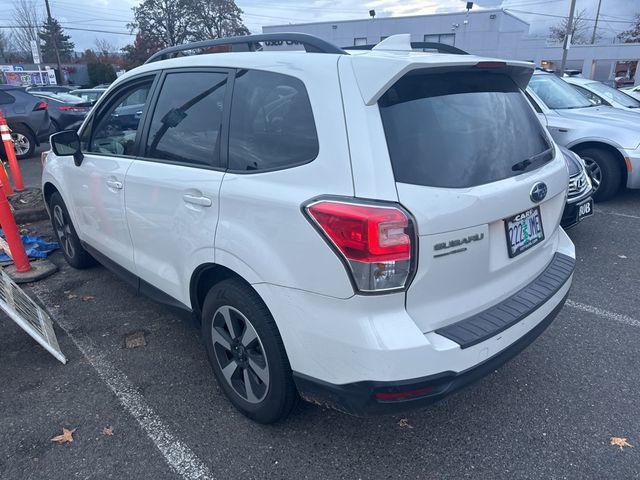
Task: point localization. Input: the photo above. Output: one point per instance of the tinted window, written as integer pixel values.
(271, 122)
(187, 119)
(460, 130)
(614, 95)
(596, 100)
(115, 129)
(5, 98)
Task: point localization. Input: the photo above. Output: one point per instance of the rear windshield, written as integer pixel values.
(460, 129)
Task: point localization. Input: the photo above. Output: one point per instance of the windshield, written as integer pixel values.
(460, 130)
(613, 95)
(556, 93)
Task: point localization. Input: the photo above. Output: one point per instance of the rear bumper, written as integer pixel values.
(632, 159)
(570, 213)
(360, 398)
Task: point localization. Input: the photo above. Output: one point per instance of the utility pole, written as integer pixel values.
(567, 37)
(55, 44)
(595, 26)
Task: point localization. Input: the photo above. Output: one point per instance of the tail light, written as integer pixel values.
(69, 108)
(376, 242)
(40, 106)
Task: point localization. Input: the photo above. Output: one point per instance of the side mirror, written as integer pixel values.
(66, 143)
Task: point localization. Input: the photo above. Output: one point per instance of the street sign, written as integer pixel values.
(28, 315)
(35, 52)
(52, 77)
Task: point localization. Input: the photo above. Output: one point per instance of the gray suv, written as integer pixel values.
(606, 138)
(27, 117)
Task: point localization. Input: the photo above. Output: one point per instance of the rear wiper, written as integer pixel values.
(518, 167)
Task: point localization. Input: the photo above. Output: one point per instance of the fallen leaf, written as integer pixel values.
(404, 423)
(72, 296)
(134, 340)
(107, 431)
(86, 298)
(620, 442)
(66, 437)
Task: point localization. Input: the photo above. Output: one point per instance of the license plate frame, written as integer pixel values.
(520, 241)
(580, 215)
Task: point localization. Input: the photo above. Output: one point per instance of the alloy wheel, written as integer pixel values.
(240, 354)
(63, 231)
(21, 143)
(594, 172)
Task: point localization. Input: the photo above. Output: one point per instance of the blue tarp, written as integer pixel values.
(34, 246)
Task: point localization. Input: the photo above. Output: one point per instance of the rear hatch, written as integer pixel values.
(483, 181)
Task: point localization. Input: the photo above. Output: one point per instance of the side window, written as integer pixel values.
(6, 98)
(533, 103)
(115, 129)
(187, 120)
(272, 122)
(595, 99)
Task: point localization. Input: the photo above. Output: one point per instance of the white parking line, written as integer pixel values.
(617, 317)
(178, 455)
(626, 215)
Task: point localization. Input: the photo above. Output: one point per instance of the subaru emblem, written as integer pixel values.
(538, 192)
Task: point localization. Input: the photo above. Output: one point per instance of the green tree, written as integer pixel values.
(140, 50)
(52, 30)
(633, 34)
(101, 73)
(217, 19)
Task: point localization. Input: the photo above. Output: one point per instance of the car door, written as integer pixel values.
(172, 188)
(109, 144)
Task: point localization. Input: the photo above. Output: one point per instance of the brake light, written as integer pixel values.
(69, 108)
(491, 65)
(374, 241)
(40, 106)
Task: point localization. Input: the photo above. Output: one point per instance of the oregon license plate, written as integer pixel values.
(524, 230)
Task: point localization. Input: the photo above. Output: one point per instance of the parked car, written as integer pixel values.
(601, 94)
(27, 118)
(67, 111)
(633, 91)
(608, 139)
(579, 202)
(51, 88)
(89, 94)
(372, 231)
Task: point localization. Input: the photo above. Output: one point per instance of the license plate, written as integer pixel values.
(524, 230)
(585, 209)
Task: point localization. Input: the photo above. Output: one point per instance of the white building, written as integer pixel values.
(491, 33)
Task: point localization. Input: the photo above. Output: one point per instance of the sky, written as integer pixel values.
(113, 15)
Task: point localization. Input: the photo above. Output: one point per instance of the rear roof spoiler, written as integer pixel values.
(375, 74)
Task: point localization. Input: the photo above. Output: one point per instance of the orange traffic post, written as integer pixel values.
(11, 234)
(4, 179)
(11, 154)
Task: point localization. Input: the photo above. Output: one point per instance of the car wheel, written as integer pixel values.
(72, 249)
(247, 353)
(24, 142)
(605, 172)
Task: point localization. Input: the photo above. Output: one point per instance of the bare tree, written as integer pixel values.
(579, 31)
(5, 46)
(27, 17)
(633, 34)
(104, 47)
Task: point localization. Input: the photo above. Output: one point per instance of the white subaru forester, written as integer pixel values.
(369, 231)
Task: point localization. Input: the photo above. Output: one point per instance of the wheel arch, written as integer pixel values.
(26, 126)
(204, 278)
(614, 150)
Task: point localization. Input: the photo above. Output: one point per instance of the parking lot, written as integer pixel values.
(549, 413)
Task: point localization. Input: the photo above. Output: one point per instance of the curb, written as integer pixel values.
(29, 215)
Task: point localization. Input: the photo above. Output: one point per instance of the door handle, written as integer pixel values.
(197, 200)
(114, 184)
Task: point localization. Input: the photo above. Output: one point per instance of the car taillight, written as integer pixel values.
(375, 241)
(68, 108)
(40, 106)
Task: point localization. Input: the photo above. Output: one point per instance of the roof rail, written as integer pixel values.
(310, 43)
(439, 47)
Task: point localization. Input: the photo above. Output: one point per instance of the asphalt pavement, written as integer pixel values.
(549, 413)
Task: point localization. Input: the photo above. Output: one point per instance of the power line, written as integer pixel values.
(75, 28)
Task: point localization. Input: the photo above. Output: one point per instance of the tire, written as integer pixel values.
(70, 245)
(605, 171)
(245, 347)
(24, 142)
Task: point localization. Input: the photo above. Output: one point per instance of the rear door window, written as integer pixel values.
(272, 124)
(187, 120)
(460, 129)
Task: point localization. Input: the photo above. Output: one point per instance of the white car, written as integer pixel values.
(369, 231)
(633, 91)
(601, 94)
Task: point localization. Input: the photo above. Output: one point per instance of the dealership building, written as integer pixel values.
(490, 33)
